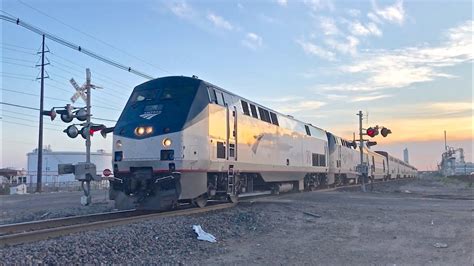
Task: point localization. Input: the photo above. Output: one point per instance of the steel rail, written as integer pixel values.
(19, 233)
(45, 233)
(63, 221)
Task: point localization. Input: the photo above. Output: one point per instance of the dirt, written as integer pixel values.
(398, 223)
(35, 206)
(408, 222)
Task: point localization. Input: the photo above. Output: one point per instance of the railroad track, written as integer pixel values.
(13, 234)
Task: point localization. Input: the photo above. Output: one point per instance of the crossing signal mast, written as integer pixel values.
(363, 168)
(83, 171)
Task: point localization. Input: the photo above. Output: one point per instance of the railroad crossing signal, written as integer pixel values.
(372, 131)
(385, 131)
(81, 92)
(371, 143)
(51, 113)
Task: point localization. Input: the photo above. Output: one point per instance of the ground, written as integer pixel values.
(22, 208)
(423, 221)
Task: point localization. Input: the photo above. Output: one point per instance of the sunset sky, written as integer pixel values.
(407, 64)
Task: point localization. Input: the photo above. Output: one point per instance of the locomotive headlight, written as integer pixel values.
(148, 130)
(139, 131)
(118, 144)
(166, 142)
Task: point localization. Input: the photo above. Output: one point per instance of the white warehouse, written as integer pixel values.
(51, 159)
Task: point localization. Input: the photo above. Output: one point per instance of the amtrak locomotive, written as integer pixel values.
(182, 139)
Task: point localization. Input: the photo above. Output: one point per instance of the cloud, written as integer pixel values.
(267, 19)
(182, 9)
(292, 107)
(425, 129)
(252, 41)
(317, 5)
(369, 98)
(374, 18)
(282, 2)
(328, 25)
(349, 46)
(336, 97)
(449, 107)
(357, 28)
(219, 21)
(282, 99)
(394, 13)
(313, 49)
(384, 69)
(354, 12)
(374, 29)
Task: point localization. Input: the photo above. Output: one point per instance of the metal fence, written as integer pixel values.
(54, 186)
(67, 186)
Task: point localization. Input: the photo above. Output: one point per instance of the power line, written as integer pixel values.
(17, 46)
(17, 59)
(16, 50)
(93, 37)
(29, 120)
(57, 99)
(73, 46)
(83, 67)
(19, 106)
(16, 123)
(13, 74)
(15, 64)
(13, 77)
(37, 109)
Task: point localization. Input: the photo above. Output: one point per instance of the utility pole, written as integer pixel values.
(361, 149)
(445, 142)
(86, 200)
(39, 172)
(88, 107)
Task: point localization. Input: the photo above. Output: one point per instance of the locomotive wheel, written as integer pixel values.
(233, 198)
(200, 201)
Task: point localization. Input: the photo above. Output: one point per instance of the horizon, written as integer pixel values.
(318, 61)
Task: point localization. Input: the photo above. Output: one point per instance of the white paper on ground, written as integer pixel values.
(202, 235)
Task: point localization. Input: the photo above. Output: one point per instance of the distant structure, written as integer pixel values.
(405, 155)
(51, 159)
(452, 161)
(12, 176)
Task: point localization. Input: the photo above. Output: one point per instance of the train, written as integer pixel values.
(184, 140)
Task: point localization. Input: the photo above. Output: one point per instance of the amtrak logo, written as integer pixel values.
(148, 115)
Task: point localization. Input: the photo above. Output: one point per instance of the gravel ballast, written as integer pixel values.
(385, 226)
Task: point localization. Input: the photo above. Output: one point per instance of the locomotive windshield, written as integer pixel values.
(163, 103)
(144, 95)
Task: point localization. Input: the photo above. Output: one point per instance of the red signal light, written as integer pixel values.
(95, 128)
(372, 132)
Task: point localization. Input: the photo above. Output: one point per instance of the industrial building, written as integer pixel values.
(51, 159)
(453, 163)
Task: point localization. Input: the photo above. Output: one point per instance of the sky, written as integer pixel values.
(406, 64)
